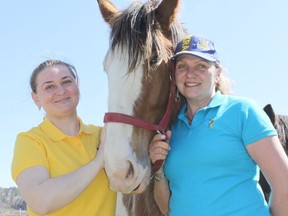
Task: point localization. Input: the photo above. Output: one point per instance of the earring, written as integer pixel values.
(177, 97)
(39, 108)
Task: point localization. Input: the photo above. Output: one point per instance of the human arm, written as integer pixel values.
(158, 150)
(44, 194)
(268, 153)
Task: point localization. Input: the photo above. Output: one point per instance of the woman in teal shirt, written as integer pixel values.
(217, 143)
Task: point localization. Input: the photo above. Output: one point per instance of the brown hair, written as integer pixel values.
(46, 64)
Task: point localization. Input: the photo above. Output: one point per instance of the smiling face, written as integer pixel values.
(56, 91)
(196, 78)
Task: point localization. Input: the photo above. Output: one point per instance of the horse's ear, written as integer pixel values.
(108, 10)
(166, 12)
(270, 112)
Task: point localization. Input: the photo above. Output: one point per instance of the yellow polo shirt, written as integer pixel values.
(45, 145)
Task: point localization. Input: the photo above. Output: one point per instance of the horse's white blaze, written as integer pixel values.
(128, 85)
(120, 208)
(118, 144)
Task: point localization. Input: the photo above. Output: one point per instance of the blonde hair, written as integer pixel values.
(224, 84)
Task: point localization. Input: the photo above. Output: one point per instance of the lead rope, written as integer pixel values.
(156, 166)
(152, 5)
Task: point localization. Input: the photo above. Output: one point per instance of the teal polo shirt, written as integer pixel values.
(209, 169)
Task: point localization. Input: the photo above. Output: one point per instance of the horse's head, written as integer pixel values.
(142, 39)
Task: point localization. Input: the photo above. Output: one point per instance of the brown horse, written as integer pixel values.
(142, 40)
(280, 122)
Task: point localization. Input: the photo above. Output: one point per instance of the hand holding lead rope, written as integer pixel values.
(159, 149)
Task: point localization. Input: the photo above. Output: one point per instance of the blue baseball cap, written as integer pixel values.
(197, 46)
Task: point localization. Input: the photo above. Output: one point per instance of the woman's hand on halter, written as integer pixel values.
(159, 147)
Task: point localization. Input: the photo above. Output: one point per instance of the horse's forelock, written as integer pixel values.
(137, 30)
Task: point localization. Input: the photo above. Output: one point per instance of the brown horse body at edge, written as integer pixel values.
(280, 123)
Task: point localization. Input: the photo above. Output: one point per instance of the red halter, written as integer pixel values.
(135, 121)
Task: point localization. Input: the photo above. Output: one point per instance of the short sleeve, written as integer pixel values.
(256, 123)
(28, 152)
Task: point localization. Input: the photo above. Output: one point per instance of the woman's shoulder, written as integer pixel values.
(240, 104)
(32, 132)
(241, 101)
(91, 128)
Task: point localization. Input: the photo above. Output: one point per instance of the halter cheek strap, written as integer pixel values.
(135, 121)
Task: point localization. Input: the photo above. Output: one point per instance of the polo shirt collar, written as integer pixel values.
(56, 134)
(216, 101)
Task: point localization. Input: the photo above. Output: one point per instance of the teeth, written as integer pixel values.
(191, 84)
(62, 100)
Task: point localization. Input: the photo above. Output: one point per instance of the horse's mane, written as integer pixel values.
(282, 128)
(137, 29)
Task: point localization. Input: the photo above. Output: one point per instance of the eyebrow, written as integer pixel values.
(67, 77)
(48, 82)
(63, 78)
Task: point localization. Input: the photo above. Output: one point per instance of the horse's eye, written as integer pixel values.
(154, 61)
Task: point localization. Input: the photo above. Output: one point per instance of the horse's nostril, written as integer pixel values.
(136, 187)
(130, 171)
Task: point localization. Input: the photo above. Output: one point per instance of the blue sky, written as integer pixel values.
(251, 37)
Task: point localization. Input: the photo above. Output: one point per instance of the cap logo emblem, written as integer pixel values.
(203, 45)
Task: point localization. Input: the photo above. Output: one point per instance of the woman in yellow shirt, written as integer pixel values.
(58, 165)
